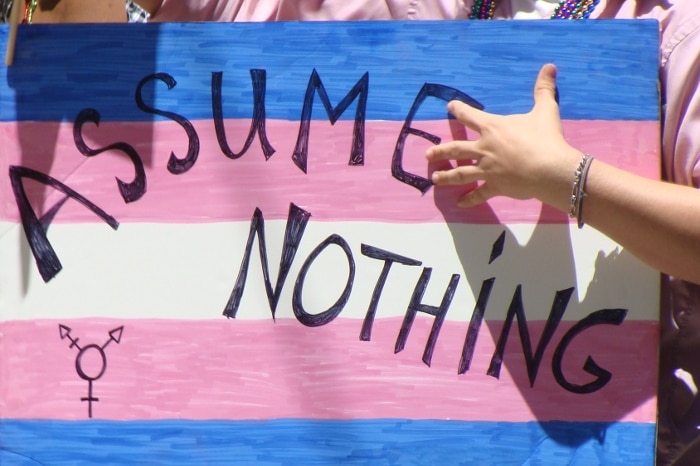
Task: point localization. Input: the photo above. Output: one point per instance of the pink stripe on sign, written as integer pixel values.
(236, 369)
(217, 188)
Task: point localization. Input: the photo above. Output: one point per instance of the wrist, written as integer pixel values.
(578, 186)
(556, 183)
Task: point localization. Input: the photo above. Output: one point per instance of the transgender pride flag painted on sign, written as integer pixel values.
(218, 245)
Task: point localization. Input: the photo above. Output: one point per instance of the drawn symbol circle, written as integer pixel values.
(102, 367)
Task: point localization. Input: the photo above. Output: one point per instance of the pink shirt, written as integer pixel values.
(309, 10)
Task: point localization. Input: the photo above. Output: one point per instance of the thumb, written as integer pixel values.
(546, 86)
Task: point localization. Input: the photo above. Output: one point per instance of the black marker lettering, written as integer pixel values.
(561, 301)
(474, 325)
(465, 360)
(296, 223)
(130, 191)
(257, 125)
(316, 320)
(357, 151)
(389, 258)
(46, 258)
(175, 166)
(603, 316)
(497, 248)
(416, 306)
(428, 90)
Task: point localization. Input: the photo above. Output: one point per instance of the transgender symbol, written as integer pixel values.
(114, 335)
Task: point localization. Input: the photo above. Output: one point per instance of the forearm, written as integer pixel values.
(658, 222)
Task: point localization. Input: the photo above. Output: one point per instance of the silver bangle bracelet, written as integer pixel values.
(577, 189)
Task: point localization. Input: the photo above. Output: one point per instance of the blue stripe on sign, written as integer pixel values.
(315, 442)
(608, 69)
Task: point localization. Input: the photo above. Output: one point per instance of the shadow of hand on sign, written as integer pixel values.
(68, 109)
(562, 313)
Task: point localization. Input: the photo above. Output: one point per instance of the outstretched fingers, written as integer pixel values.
(453, 150)
(463, 174)
(512, 152)
(462, 152)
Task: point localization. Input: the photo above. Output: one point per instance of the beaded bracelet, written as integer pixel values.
(577, 192)
(29, 8)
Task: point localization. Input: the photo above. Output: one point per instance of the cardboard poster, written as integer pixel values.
(219, 245)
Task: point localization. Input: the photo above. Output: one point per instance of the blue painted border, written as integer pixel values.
(317, 442)
(608, 68)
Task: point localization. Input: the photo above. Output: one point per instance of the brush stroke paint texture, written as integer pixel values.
(190, 387)
(331, 190)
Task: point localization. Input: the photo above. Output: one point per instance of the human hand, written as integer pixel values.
(520, 156)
